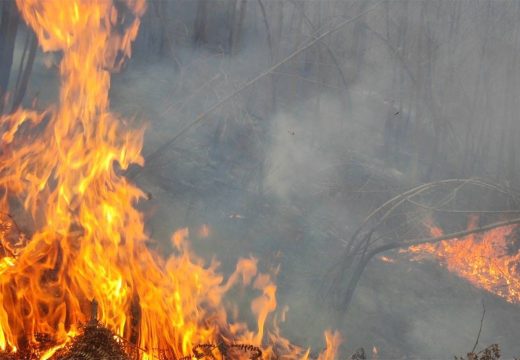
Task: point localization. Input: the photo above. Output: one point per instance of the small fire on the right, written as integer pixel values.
(489, 260)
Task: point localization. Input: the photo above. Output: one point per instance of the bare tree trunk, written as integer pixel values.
(436, 117)
(272, 80)
(278, 28)
(200, 26)
(25, 70)
(469, 143)
(237, 22)
(513, 110)
(165, 41)
(359, 40)
(418, 95)
(8, 28)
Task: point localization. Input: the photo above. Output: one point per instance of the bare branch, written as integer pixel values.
(480, 328)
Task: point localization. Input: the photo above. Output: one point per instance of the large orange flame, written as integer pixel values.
(487, 260)
(64, 167)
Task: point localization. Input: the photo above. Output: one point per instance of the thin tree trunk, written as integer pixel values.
(200, 26)
(25, 70)
(8, 28)
(235, 35)
(513, 110)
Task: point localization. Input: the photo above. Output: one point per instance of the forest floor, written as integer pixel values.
(406, 309)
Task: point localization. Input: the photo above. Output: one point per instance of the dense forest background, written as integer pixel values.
(282, 123)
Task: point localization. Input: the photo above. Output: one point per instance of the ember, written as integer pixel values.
(64, 165)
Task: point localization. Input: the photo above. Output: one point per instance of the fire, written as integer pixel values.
(375, 352)
(64, 166)
(333, 340)
(486, 260)
(204, 231)
(386, 259)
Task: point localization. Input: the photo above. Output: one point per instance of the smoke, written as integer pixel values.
(289, 179)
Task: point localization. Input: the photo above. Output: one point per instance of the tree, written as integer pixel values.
(25, 68)
(200, 24)
(8, 28)
(238, 12)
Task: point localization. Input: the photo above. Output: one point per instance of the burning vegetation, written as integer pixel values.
(78, 279)
(488, 260)
(63, 169)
